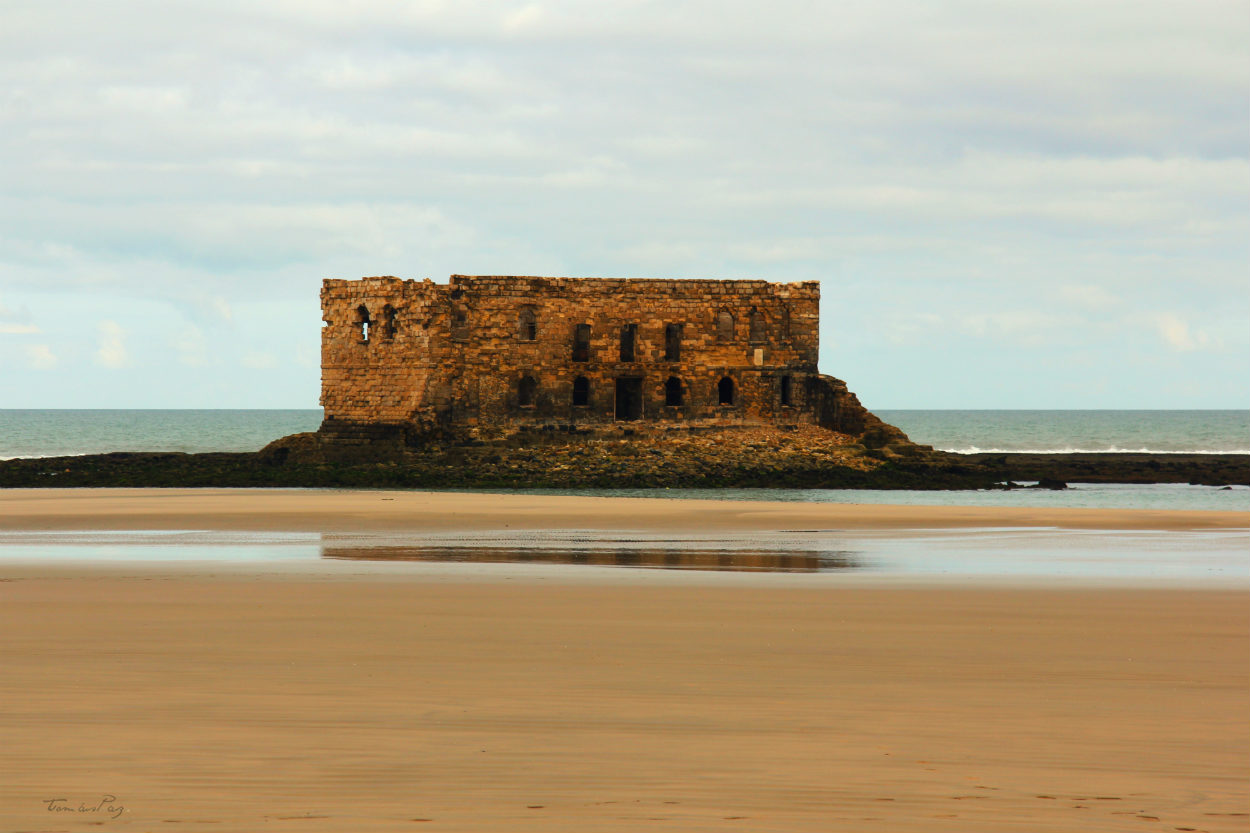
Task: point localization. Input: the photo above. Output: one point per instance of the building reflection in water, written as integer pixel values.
(674, 558)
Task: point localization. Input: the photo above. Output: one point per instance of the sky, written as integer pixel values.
(1007, 204)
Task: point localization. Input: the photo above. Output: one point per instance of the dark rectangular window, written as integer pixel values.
(629, 336)
(672, 343)
(672, 392)
(581, 343)
(581, 392)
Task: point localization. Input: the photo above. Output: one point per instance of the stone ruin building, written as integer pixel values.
(486, 357)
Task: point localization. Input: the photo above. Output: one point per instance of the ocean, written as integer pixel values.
(1063, 432)
(51, 433)
(55, 433)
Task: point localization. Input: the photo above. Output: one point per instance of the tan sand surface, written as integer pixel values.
(381, 703)
(356, 511)
(298, 699)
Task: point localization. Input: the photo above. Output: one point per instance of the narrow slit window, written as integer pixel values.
(527, 325)
(581, 343)
(672, 343)
(786, 394)
(629, 339)
(363, 322)
(758, 330)
(389, 327)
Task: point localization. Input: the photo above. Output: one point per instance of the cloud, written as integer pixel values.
(14, 318)
(40, 357)
(307, 355)
(259, 361)
(18, 329)
(911, 327)
(1003, 173)
(778, 251)
(190, 346)
(1088, 296)
(1176, 333)
(112, 350)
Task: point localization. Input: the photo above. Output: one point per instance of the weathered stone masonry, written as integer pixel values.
(484, 356)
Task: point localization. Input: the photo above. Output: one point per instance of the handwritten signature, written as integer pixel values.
(107, 805)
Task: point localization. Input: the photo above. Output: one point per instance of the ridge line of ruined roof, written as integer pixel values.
(457, 277)
(616, 280)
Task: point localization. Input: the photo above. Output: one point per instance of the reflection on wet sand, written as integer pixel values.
(792, 561)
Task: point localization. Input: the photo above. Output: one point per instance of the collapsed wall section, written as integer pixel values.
(379, 348)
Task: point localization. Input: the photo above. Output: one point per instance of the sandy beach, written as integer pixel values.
(146, 698)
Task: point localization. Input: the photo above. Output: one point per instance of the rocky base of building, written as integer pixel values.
(799, 457)
(631, 456)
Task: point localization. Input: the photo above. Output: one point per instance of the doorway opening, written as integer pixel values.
(629, 398)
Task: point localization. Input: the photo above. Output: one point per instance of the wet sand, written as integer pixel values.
(356, 511)
(210, 699)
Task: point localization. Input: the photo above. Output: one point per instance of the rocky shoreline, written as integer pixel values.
(793, 457)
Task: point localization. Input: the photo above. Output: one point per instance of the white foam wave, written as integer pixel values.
(49, 455)
(972, 449)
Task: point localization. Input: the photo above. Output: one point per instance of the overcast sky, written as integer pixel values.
(1008, 204)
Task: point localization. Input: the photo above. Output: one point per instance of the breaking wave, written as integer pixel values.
(972, 449)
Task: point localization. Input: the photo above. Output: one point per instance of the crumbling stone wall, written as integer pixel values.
(482, 355)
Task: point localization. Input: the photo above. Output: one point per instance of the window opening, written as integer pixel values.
(724, 326)
(389, 327)
(672, 342)
(362, 321)
(629, 338)
(527, 325)
(758, 326)
(581, 343)
(725, 391)
(628, 398)
(785, 391)
(672, 392)
(581, 392)
(525, 391)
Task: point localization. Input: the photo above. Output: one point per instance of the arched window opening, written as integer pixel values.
(629, 340)
(389, 327)
(581, 343)
(459, 322)
(724, 326)
(672, 342)
(363, 322)
(527, 325)
(581, 392)
(525, 390)
(672, 392)
(725, 391)
(786, 396)
(758, 327)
